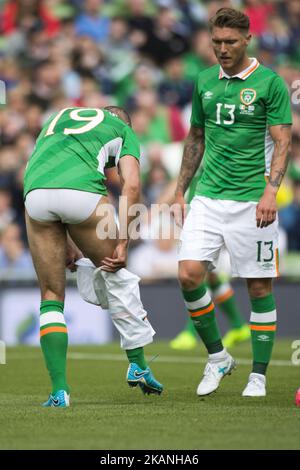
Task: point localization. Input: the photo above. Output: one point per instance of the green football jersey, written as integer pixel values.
(236, 113)
(75, 146)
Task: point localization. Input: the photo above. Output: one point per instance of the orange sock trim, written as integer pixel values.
(53, 329)
(200, 312)
(223, 297)
(263, 327)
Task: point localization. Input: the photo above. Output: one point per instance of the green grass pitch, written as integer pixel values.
(106, 414)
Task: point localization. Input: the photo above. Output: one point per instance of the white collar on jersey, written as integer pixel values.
(244, 73)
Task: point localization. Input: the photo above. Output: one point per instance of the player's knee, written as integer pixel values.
(190, 278)
(259, 288)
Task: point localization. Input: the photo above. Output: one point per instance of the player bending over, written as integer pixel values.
(64, 190)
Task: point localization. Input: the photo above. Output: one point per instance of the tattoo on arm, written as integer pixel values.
(192, 156)
(280, 159)
(275, 181)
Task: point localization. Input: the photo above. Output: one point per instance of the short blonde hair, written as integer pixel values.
(230, 18)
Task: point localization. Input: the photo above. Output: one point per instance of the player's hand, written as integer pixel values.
(266, 209)
(179, 209)
(73, 254)
(118, 260)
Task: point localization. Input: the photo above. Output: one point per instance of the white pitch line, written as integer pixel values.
(165, 359)
(78, 356)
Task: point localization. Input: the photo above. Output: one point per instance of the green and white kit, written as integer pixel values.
(64, 181)
(236, 113)
(71, 153)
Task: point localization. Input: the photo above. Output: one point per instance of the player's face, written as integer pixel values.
(230, 46)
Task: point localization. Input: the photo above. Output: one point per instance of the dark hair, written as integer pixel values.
(121, 113)
(230, 18)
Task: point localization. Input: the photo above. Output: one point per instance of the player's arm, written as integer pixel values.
(192, 156)
(267, 209)
(129, 171)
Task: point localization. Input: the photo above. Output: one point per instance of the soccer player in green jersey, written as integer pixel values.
(241, 131)
(65, 193)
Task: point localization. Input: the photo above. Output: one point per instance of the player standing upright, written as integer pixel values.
(241, 127)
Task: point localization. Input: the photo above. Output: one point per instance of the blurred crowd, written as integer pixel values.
(143, 55)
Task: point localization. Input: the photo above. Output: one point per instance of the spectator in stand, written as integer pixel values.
(26, 15)
(34, 119)
(6, 211)
(201, 55)
(157, 178)
(143, 78)
(92, 22)
(165, 122)
(10, 72)
(24, 145)
(164, 41)
(8, 161)
(36, 48)
(118, 46)
(192, 14)
(155, 258)
(289, 10)
(175, 90)
(289, 215)
(89, 61)
(276, 39)
(46, 85)
(13, 254)
(258, 12)
(139, 21)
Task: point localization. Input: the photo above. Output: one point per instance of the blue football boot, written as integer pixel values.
(143, 378)
(59, 400)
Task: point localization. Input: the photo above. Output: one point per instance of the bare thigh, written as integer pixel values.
(87, 234)
(47, 243)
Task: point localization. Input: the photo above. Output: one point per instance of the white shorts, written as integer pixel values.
(119, 293)
(68, 206)
(212, 224)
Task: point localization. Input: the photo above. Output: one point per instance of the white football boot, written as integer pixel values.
(256, 386)
(219, 365)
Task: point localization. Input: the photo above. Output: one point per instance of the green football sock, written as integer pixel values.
(224, 297)
(263, 327)
(202, 312)
(137, 356)
(54, 342)
(189, 327)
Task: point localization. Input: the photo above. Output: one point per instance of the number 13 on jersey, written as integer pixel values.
(230, 108)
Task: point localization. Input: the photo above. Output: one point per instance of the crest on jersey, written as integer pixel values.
(248, 95)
